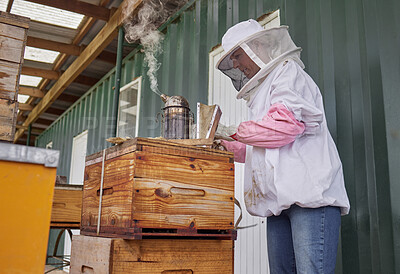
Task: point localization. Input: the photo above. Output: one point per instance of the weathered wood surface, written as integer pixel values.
(116, 206)
(185, 170)
(67, 206)
(144, 189)
(14, 20)
(13, 34)
(169, 204)
(91, 255)
(163, 147)
(90, 200)
(11, 49)
(8, 119)
(7, 108)
(8, 80)
(166, 256)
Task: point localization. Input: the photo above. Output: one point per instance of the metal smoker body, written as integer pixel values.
(176, 117)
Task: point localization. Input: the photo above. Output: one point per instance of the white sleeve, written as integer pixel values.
(297, 92)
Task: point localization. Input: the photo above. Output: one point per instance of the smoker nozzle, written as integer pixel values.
(164, 97)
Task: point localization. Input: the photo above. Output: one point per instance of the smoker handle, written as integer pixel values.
(187, 191)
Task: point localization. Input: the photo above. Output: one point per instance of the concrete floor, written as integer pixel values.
(57, 271)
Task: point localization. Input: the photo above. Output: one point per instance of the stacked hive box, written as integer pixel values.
(13, 34)
(67, 206)
(168, 198)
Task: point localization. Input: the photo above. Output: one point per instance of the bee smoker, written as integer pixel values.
(176, 116)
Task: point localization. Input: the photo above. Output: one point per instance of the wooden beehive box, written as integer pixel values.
(13, 34)
(167, 256)
(154, 187)
(67, 206)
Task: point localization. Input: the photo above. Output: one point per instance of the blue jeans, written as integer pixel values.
(303, 240)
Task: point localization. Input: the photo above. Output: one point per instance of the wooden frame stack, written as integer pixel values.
(13, 35)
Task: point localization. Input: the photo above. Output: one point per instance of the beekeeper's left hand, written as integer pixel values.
(218, 144)
(224, 132)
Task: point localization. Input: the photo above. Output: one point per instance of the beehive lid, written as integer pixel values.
(154, 145)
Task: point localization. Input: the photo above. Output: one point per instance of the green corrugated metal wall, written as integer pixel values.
(350, 48)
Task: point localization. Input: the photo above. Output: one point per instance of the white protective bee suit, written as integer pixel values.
(306, 170)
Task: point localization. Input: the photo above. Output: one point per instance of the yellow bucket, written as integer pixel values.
(27, 178)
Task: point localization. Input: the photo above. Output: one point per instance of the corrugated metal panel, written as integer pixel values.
(350, 50)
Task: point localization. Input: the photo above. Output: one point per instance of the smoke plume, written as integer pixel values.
(143, 29)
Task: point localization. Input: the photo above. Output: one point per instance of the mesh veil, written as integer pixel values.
(267, 48)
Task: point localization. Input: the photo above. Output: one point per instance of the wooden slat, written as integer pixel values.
(24, 107)
(6, 129)
(51, 31)
(166, 147)
(166, 256)
(169, 204)
(8, 80)
(172, 256)
(37, 64)
(11, 31)
(7, 108)
(78, 7)
(14, 20)
(64, 225)
(34, 92)
(117, 206)
(67, 206)
(162, 143)
(103, 38)
(44, 73)
(90, 255)
(69, 49)
(19, 126)
(180, 169)
(11, 49)
(8, 116)
(9, 5)
(55, 46)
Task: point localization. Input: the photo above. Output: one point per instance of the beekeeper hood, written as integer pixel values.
(267, 48)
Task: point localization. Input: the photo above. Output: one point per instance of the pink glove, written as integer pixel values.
(238, 148)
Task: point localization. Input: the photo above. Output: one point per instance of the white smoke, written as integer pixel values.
(143, 29)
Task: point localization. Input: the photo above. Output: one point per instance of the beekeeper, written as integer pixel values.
(293, 173)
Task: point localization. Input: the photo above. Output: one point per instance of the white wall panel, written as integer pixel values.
(79, 147)
(251, 245)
